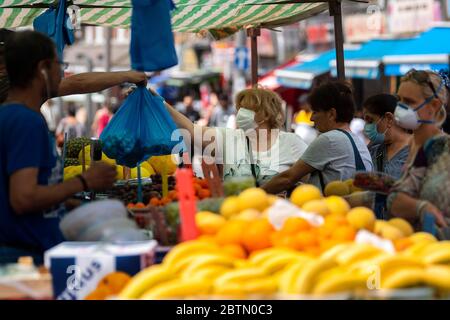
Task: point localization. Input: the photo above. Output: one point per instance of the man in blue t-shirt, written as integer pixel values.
(31, 189)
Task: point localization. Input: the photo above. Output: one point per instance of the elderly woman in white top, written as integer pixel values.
(257, 147)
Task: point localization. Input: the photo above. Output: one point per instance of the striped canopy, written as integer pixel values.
(219, 17)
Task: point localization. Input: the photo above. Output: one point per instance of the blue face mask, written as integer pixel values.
(371, 131)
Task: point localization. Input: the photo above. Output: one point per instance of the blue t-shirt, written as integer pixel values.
(25, 142)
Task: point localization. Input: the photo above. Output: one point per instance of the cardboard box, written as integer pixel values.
(78, 267)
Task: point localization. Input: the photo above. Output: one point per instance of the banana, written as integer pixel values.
(277, 263)
(366, 266)
(340, 282)
(438, 257)
(393, 263)
(210, 272)
(230, 289)
(333, 252)
(178, 288)
(424, 237)
(437, 253)
(242, 263)
(182, 263)
(265, 285)
(239, 275)
(438, 276)
(416, 249)
(145, 280)
(357, 253)
(204, 260)
(186, 249)
(257, 258)
(308, 276)
(404, 277)
(289, 275)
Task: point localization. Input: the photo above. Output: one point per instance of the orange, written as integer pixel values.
(101, 293)
(319, 207)
(209, 223)
(204, 193)
(305, 193)
(234, 250)
(313, 251)
(154, 202)
(306, 239)
(333, 221)
(139, 205)
(279, 239)
(327, 244)
(257, 235)
(293, 225)
(402, 244)
(344, 233)
(361, 218)
(232, 232)
(337, 205)
(114, 281)
(173, 195)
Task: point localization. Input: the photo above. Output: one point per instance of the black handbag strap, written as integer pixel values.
(358, 160)
(252, 162)
(380, 156)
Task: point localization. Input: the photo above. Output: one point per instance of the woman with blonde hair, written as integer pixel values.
(257, 147)
(425, 186)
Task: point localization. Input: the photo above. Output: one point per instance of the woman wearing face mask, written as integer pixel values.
(423, 96)
(336, 154)
(389, 144)
(257, 147)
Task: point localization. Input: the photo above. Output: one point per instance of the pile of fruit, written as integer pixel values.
(127, 191)
(200, 269)
(245, 223)
(375, 181)
(341, 188)
(157, 200)
(241, 254)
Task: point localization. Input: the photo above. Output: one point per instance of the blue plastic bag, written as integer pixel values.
(152, 47)
(56, 24)
(140, 129)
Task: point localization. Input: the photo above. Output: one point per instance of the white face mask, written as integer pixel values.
(407, 117)
(245, 119)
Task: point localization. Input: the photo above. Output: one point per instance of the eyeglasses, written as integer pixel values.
(422, 77)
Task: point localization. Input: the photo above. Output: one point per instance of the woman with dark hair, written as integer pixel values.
(337, 153)
(388, 142)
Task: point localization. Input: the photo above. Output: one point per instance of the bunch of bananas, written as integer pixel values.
(199, 269)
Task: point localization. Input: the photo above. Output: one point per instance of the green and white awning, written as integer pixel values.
(220, 17)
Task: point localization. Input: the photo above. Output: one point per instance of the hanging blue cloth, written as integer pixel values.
(55, 22)
(152, 47)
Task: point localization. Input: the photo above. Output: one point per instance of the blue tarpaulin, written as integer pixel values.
(365, 62)
(430, 50)
(302, 75)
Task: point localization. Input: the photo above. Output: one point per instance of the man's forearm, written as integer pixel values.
(91, 82)
(279, 183)
(45, 197)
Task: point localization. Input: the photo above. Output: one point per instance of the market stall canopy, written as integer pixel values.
(430, 50)
(301, 76)
(365, 62)
(220, 17)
